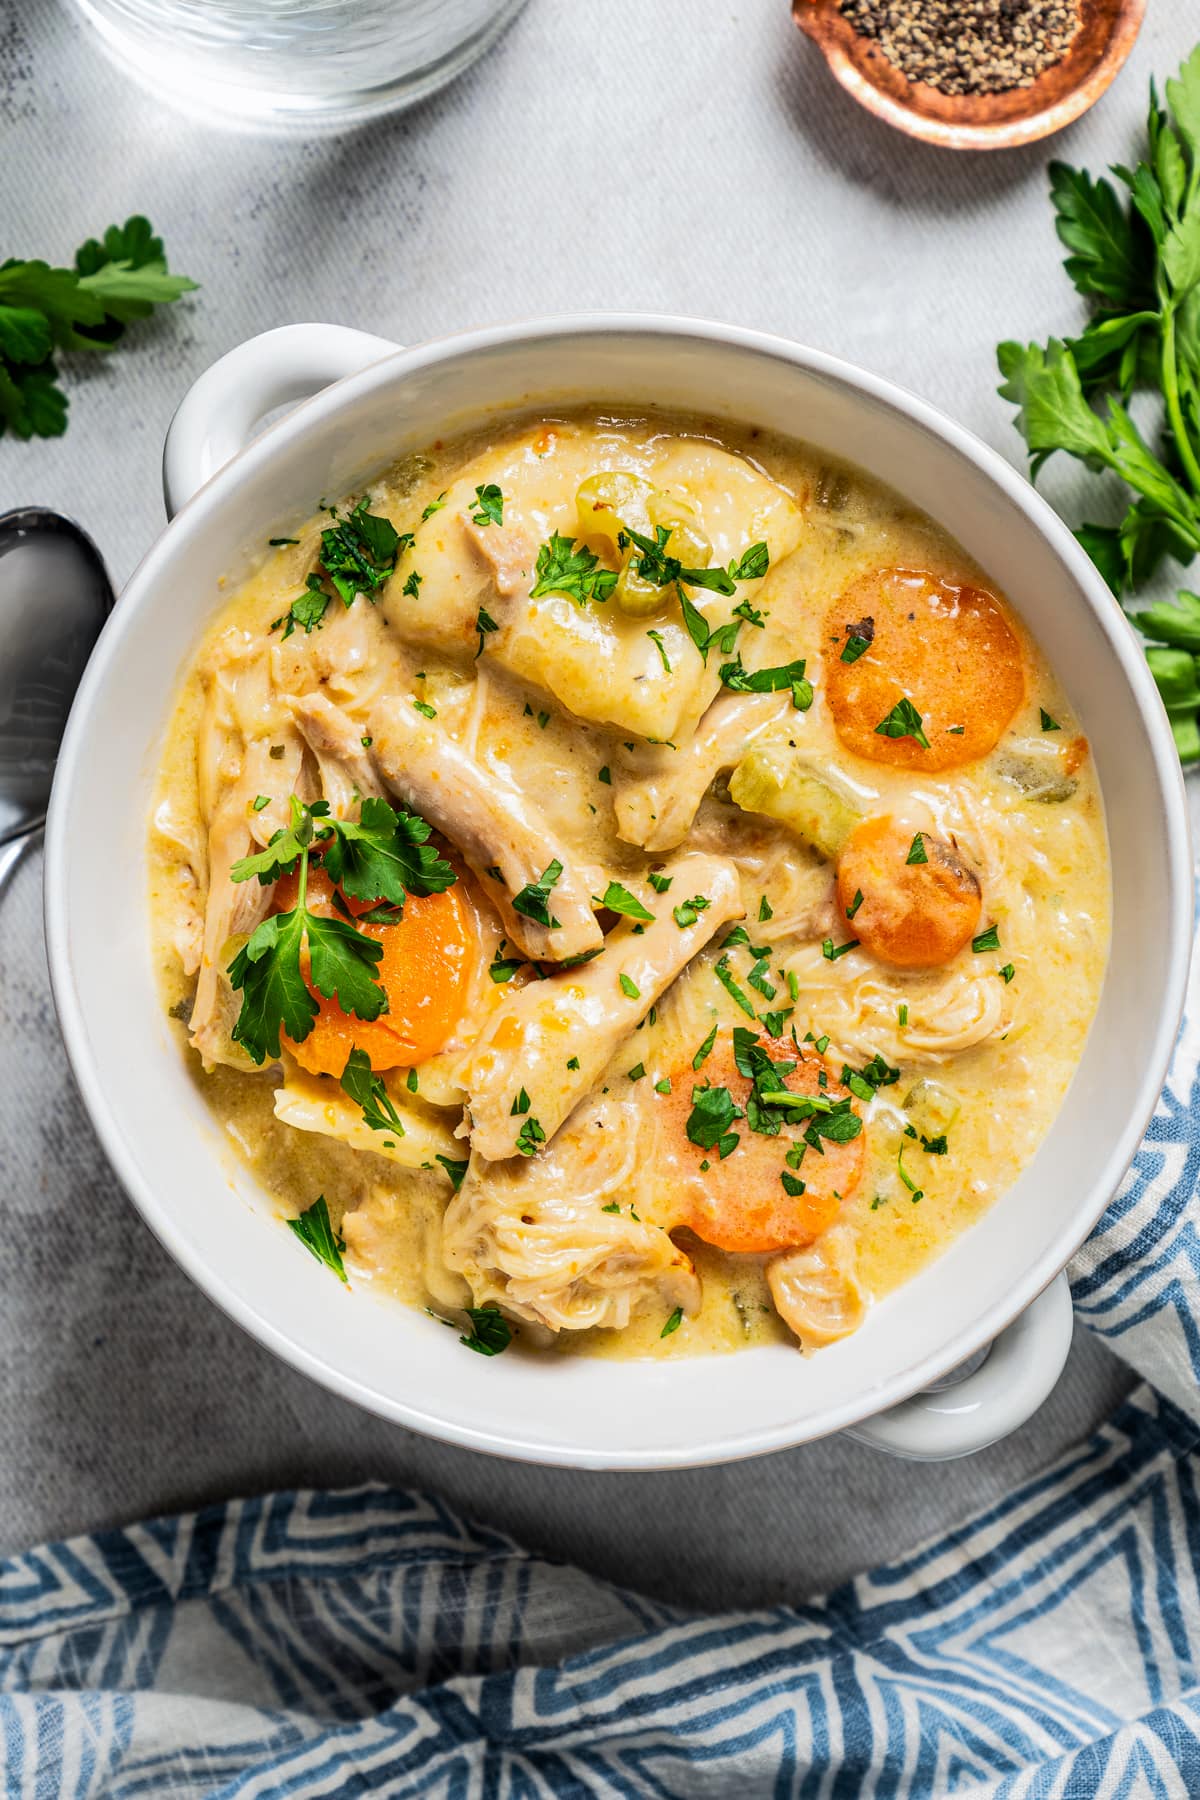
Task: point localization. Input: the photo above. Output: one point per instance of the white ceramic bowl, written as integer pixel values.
(153, 1121)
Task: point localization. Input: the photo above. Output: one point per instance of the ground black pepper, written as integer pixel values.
(968, 46)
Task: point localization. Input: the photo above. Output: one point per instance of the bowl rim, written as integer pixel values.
(318, 413)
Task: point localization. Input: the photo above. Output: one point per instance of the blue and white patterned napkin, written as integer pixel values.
(370, 1642)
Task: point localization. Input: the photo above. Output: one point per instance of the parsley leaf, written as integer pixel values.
(315, 1230)
(563, 569)
(618, 899)
(367, 1090)
(358, 553)
(307, 612)
(533, 900)
(713, 1113)
(489, 505)
(455, 1169)
(725, 976)
(490, 1332)
(903, 721)
(530, 1137)
(673, 1323)
(484, 625)
(385, 855)
(769, 681)
(660, 569)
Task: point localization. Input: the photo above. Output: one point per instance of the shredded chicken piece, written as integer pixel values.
(246, 747)
(186, 930)
(347, 772)
(533, 1237)
(313, 1103)
(491, 823)
(816, 1291)
(656, 796)
(379, 1235)
(508, 553)
(947, 1012)
(584, 1015)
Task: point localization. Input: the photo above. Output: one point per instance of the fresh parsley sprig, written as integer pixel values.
(385, 856)
(115, 281)
(1134, 254)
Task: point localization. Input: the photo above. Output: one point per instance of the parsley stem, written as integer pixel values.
(1170, 387)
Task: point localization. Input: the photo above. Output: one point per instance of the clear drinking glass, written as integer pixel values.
(301, 63)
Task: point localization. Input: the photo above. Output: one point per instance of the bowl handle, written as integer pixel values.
(221, 411)
(991, 1398)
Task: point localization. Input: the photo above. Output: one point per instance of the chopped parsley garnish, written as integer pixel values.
(752, 565)
(434, 506)
(775, 1021)
(412, 1081)
(605, 775)
(581, 956)
(1048, 724)
(689, 911)
(719, 637)
(903, 721)
(502, 968)
(279, 543)
(614, 1206)
(859, 638)
(530, 1137)
(484, 625)
(831, 951)
(543, 720)
(572, 1062)
(855, 903)
(865, 1083)
(533, 900)
(663, 1086)
(1007, 972)
(916, 1192)
(618, 899)
(367, 1091)
(769, 681)
(423, 707)
(259, 801)
(660, 883)
(987, 940)
(490, 506)
(673, 1323)
(917, 852)
(656, 638)
(661, 570)
(636, 1073)
(751, 614)
(724, 975)
(765, 910)
(629, 986)
(520, 1105)
(902, 1014)
(413, 585)
(758, 979)
(315, 1230)
(711, 1118)
(307, 612)
(563, 569)
(490, 1331)
(454, 1169)
(791, 1184)
(936, 1146)
(705, 1048)
(358, 553)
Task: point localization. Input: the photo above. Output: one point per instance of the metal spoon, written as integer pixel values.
(54, 597)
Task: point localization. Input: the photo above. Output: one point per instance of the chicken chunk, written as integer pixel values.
(492, 824)
(347, 772)
(535, 1238)
(582, 1016)
(314, 1103)
(816, 1291)
(657, 794)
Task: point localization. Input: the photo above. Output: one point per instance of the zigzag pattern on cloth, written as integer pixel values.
(369, 1642)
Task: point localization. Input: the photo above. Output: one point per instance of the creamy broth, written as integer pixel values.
(567, 704)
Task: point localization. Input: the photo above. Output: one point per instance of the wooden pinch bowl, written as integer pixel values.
(978, 121)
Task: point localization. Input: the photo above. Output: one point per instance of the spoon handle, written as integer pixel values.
(11, 854)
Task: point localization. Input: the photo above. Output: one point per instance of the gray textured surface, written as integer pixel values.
(615, 156)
